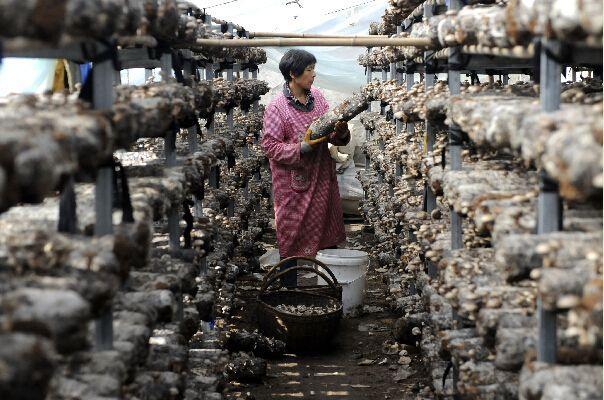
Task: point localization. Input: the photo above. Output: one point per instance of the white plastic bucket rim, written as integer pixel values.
(344, 254)
(346, 264)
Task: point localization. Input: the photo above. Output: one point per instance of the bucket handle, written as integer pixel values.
(268, 280)
(313, 260)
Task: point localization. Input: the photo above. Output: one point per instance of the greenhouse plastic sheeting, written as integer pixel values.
(26, 75)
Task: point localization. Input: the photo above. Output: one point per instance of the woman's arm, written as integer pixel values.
(341, 135)
(273, 139)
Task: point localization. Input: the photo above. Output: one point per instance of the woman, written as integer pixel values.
(308, 213)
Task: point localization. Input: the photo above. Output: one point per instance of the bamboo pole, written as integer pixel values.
(306, 35)
(280, 42)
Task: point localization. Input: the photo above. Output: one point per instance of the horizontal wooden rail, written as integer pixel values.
(306, 35)
(280, 42)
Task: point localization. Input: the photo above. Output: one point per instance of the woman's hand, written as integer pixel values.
(313, 142)
(305, 147)
(307, 144)
(341, 135)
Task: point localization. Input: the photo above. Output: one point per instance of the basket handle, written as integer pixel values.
(313, 260)
(269, 280)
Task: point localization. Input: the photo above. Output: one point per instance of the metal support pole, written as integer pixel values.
(170, 154)
(214, 179)
(180, 307)
(399, 80)
(430, 139)
(199, 202)
(117, 78)
(399, 127)
(67, 208)
(210, 78)
(246, 189)
(192, 139)
(166, 64)
(170, 139)
(455, 137)
(229, 116)
(367, 131)
(255, 109)
(550, 77)
(398, 172)
(549, 219)
(549, 204)
(170, 147)
(369, 72)
(384, 74)
(505, 79)
(410, 82)
(102, 208)
(148, 74)
(102, 99)
(193, 147)
(192, 131)
(456, 231)
(174, 228)
(245, 150)
(231, 208)
(255, 104)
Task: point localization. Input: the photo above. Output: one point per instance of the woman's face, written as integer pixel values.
(306, 79)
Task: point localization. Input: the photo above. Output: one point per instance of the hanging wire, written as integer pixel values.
(221, 4)
(348, 8)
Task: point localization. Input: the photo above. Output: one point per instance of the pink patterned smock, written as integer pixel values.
(308, 213)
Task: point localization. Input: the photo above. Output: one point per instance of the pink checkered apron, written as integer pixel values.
(308, 213)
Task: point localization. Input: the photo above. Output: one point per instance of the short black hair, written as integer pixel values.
(295, 61)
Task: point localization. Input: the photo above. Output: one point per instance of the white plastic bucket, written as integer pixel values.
(346, 264)
(350, 269)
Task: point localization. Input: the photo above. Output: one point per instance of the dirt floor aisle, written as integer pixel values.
(363, 363)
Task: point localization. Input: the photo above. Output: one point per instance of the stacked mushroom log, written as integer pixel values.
(517, 22)
(483, 27)
(239, 210)
(224, 244)
(478, 311)
(547, 261)
(45, 140)
(393, 16)
(56, 284)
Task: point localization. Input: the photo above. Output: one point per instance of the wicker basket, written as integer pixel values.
(320, 289)
(299, 332)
